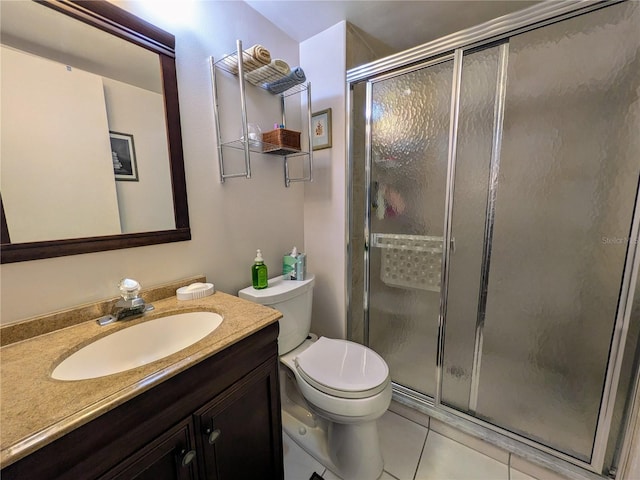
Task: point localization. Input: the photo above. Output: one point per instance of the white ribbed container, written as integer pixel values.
(195, 290)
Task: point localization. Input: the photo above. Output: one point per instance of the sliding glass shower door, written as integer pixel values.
(560, 186)
(409, 131)
(501, 184)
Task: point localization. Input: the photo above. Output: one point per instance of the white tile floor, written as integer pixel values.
(414, 452)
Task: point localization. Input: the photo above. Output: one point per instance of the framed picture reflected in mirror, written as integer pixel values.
(123, 154)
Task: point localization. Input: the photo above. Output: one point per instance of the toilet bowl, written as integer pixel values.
(332, 391)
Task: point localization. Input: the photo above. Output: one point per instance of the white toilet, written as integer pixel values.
(332, 391)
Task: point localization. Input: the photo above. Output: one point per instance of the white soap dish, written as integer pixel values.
(195, 290)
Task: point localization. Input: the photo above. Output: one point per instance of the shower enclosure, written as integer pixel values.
(494, 220)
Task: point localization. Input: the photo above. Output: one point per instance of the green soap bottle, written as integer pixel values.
(259, 272)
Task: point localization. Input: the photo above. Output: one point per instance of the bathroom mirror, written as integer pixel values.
(91, 141)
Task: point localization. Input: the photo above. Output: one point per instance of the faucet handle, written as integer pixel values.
(129, 288)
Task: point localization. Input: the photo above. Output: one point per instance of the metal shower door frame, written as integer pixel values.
(455, 46)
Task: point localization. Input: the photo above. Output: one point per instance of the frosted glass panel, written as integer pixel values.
(475, 135)
(627, 376)
(409, 143)
(568, 179)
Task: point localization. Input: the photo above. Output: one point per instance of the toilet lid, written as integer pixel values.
(343, 369)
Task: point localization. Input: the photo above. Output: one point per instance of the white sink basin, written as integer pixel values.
(137, 345)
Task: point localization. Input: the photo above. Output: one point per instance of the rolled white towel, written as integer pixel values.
(252, 59)
(276, 70)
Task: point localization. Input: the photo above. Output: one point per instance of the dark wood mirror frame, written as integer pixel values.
(106, 16)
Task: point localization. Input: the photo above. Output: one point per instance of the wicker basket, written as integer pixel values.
(281, 142)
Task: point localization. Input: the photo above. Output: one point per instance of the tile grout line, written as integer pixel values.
(411, 419)
(391, 475)
(509, 467)
(422, 452)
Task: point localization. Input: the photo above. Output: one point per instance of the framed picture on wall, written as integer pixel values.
(321, 129)
(123, 154)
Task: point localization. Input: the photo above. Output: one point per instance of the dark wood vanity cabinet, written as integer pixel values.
(219, 419)
(171, 456)
(235, 431)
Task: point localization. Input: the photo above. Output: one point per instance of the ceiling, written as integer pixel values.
(399, 24)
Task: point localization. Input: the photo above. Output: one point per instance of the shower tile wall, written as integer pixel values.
(357, 215)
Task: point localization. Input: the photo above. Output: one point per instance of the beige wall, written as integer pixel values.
(145, 205)
(324, 198)
(54, 144)
(228, 222)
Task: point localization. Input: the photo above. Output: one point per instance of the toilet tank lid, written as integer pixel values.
(278, 290)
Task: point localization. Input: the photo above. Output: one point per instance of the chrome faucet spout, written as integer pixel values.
(131, 305)
(127, 308)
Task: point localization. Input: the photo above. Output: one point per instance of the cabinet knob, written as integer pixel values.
(187, 457)
(213, 435)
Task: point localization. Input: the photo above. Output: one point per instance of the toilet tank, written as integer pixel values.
(293, 298)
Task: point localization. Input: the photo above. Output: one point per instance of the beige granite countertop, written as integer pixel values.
(36, 409)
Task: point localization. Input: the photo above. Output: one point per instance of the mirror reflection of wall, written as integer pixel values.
(51, 158)
(65, 86)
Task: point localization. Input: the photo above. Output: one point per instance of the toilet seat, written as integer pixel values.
(342, 368)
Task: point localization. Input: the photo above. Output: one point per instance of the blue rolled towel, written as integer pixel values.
(296, 77)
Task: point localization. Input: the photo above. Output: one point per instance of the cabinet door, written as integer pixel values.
(171, 456)
(239, 431)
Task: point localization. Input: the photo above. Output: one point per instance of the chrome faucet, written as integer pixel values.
(131, 305)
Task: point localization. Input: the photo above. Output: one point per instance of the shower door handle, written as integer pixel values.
(452, 245)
